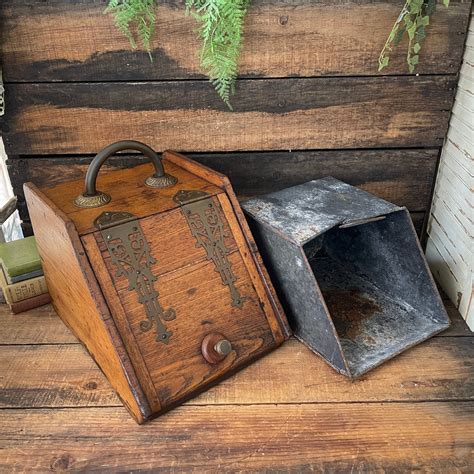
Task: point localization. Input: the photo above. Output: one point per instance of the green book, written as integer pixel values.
(19, 257)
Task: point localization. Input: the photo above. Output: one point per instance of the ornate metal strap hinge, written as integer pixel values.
(206, 225)
(130, 253)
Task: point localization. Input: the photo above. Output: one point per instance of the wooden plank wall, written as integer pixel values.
(309, 101)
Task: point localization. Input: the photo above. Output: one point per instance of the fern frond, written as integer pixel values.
(135, 19)
(220, 30)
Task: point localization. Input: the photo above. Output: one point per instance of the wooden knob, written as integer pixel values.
(215, 347)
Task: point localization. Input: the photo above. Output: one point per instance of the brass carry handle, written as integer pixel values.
(91, 197)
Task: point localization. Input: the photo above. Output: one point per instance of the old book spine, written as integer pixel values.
(30, 303)
(19, 257)
(24, 289)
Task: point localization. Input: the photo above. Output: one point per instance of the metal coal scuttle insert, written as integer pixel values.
(349, 270)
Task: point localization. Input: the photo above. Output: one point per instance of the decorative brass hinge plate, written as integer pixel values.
(206, 225)
(130, 253)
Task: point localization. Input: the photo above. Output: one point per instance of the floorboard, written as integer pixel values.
(288, 412)
(65, 376)
(336, 437)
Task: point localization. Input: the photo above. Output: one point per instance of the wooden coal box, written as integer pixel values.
(154, 269)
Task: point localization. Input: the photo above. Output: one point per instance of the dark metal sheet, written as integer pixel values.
(298, 292)
(303, 212)
(349, 270)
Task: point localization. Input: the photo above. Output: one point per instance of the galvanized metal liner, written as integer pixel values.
(377, 290)
(349, 271)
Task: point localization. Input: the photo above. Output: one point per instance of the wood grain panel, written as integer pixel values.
(403, 177)
(171, 243)
(77, 298)
(73, 41)
(270, 114)
(65, 376)
(203, 306)
(128, 192)
(427, 437)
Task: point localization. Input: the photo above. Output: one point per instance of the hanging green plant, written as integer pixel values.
(221, 24)
(412, 20)
(220, 30)
(135, 19)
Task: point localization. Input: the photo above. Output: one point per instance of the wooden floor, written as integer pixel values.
(287, 412)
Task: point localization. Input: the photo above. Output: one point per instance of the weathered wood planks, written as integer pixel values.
(434, 437)
(413, 413)
(66, 376)
(37, 326)
(75, 41)
(57, 372)
(269, 114)
(58, 57)
(57, 375)
(401, 176)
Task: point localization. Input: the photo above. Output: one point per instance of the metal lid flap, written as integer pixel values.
(303, 212)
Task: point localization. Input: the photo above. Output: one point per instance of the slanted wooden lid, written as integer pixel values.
(128, 193)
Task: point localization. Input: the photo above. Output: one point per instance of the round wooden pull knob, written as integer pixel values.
(215, 347)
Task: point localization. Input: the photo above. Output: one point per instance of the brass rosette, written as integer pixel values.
(96, 200)
(164, 181)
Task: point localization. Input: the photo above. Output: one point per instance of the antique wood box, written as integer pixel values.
(349, 270)
(157, 274)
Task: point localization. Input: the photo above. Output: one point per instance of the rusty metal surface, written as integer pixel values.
(356, 287)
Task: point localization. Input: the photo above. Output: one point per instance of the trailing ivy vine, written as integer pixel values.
(412, 20)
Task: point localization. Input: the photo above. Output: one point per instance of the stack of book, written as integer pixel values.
(21, 275)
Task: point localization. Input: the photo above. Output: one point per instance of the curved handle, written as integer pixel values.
(93, 198)
(108, 151)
